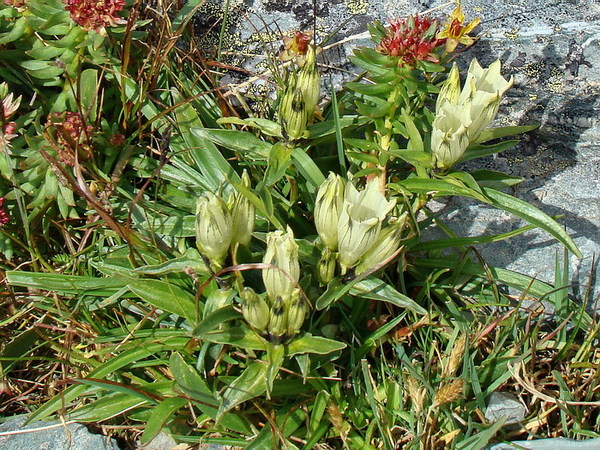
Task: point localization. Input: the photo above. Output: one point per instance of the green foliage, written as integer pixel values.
(398, 344)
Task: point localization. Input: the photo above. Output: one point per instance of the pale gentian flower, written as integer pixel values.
(360, 221)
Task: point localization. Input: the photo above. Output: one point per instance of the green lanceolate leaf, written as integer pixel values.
(375, 289)
(107, 406)
(140, 351)
(66, 284)
(280, 158)
(437, 188)
(533, 216)
(218, 317)
(495, 180)
(275, 356)
(307, 167)
(238, 336)
(192, 384)
(250, 384)
(307, 343)
(209, 160)
(479, 151)
(267, 126)
(500, 132)
(234, 140)
(165, 296)
(160, 416)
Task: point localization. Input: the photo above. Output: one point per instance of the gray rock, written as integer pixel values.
(51, 436)
(550, 47)
(504, 404)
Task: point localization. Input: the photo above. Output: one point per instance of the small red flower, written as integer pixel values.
(19, 4)
(72, 136)
(95, 14)
(117, 140)
(296, 47)
(413, 39)
(4, 217)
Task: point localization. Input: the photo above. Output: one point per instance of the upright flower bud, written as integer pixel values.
(282, 252)
(326, 266)
(450, 90)
(213, 228)
(388, 243)
(255, 309)
(242, 215)
(330, 199)
(297, 309)
(309, 81)
(360, 221)
(294, 114)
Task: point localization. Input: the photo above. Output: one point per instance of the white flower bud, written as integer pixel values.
(213, 227)
(255, 309)
(242, 215)
(330, 199)
(297, 310)
(282, 252)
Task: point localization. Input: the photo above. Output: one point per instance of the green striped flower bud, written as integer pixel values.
(328, 205)
(450, 90)
(278, 319)
(255, 309)
(213, 228)
(282, 252)
(297, 310)
(294, 115)
(360, 222)
(243, 215)
(309, 81)
(326, 266)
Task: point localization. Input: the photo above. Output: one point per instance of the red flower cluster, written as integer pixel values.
(413, 39)
(95, 14)
(19, 4)
(4, 217)
(72, 136)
